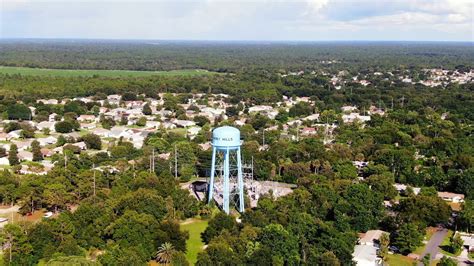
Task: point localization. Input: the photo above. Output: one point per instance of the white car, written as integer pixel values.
(48, 214)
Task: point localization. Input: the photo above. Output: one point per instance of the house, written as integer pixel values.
(102, 132)
(25, 156)
(205, 146)
(371, 237)
(153, 124)
(46, 124)
(193, 131)
(313, 117)
(52, 117)
(26, 170)
(308, 131)
(88, 126)
(82, 145)
(4, 161)
(48, 101)
(451, 197)
(366, 255)
(350, 118)
(164, 156)
(23, 145)
(184, 123)
(4, 136)
(260, 108)
(401, 188)
(46, 152)
(47, 141)
(86, 118)
(348, 109)
(15, 134)
(468, 240)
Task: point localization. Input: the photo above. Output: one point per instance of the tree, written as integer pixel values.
(446, 261)
(13, 155)
(141, 122)
(455, 243)
(19, 251)
(201, 120)
(281, 243)
(147, 109)
(63, 127)
(426, 259)
(36, 150)
(92, 141)
(408, 237)
(384, 243)
(165, 253)
(220, 222)
(18, 111)
(55, 196)
(3, 152)
(300, 109)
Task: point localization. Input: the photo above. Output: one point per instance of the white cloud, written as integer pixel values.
(239, 19)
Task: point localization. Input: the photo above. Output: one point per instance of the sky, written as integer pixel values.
(265, 20)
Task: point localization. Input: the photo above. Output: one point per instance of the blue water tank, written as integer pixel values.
(226, 137)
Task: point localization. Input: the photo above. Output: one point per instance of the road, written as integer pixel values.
(433, 244)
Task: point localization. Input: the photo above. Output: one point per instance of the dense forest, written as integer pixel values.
(231, 56)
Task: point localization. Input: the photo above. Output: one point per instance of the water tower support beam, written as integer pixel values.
(213, 171)
(226, 182)
(240, 181)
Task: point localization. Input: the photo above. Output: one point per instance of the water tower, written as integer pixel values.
(226, 170)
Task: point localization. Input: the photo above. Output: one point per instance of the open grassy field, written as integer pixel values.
(194, 244)
(105, 73)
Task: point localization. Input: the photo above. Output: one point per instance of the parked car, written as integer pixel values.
(48, 214)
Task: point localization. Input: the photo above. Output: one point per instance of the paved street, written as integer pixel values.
(433, 244)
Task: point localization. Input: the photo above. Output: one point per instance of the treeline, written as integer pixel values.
(230, 56)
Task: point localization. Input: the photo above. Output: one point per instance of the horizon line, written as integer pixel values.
(225, 40)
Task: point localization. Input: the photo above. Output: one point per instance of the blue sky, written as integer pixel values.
(308, 20)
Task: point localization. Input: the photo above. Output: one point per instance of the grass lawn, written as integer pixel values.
(471, 256)
(179, 131)
(444, 247)
(105, 73)
(194, 244)
(399, 260)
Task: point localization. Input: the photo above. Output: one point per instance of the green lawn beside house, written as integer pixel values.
(399, 260)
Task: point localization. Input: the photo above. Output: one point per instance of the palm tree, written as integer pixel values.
(165, 253)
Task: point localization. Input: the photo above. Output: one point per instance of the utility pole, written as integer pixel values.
(93, 169)
(392, 103)
(175, 162)
(152, 161)
(263, 137)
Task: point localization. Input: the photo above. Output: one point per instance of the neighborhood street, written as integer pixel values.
(433, 244)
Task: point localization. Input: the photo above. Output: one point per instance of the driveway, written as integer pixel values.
(433, 244)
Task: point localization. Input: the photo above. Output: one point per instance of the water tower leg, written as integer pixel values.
(226, 182)
(213, 171)
(240, 181)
